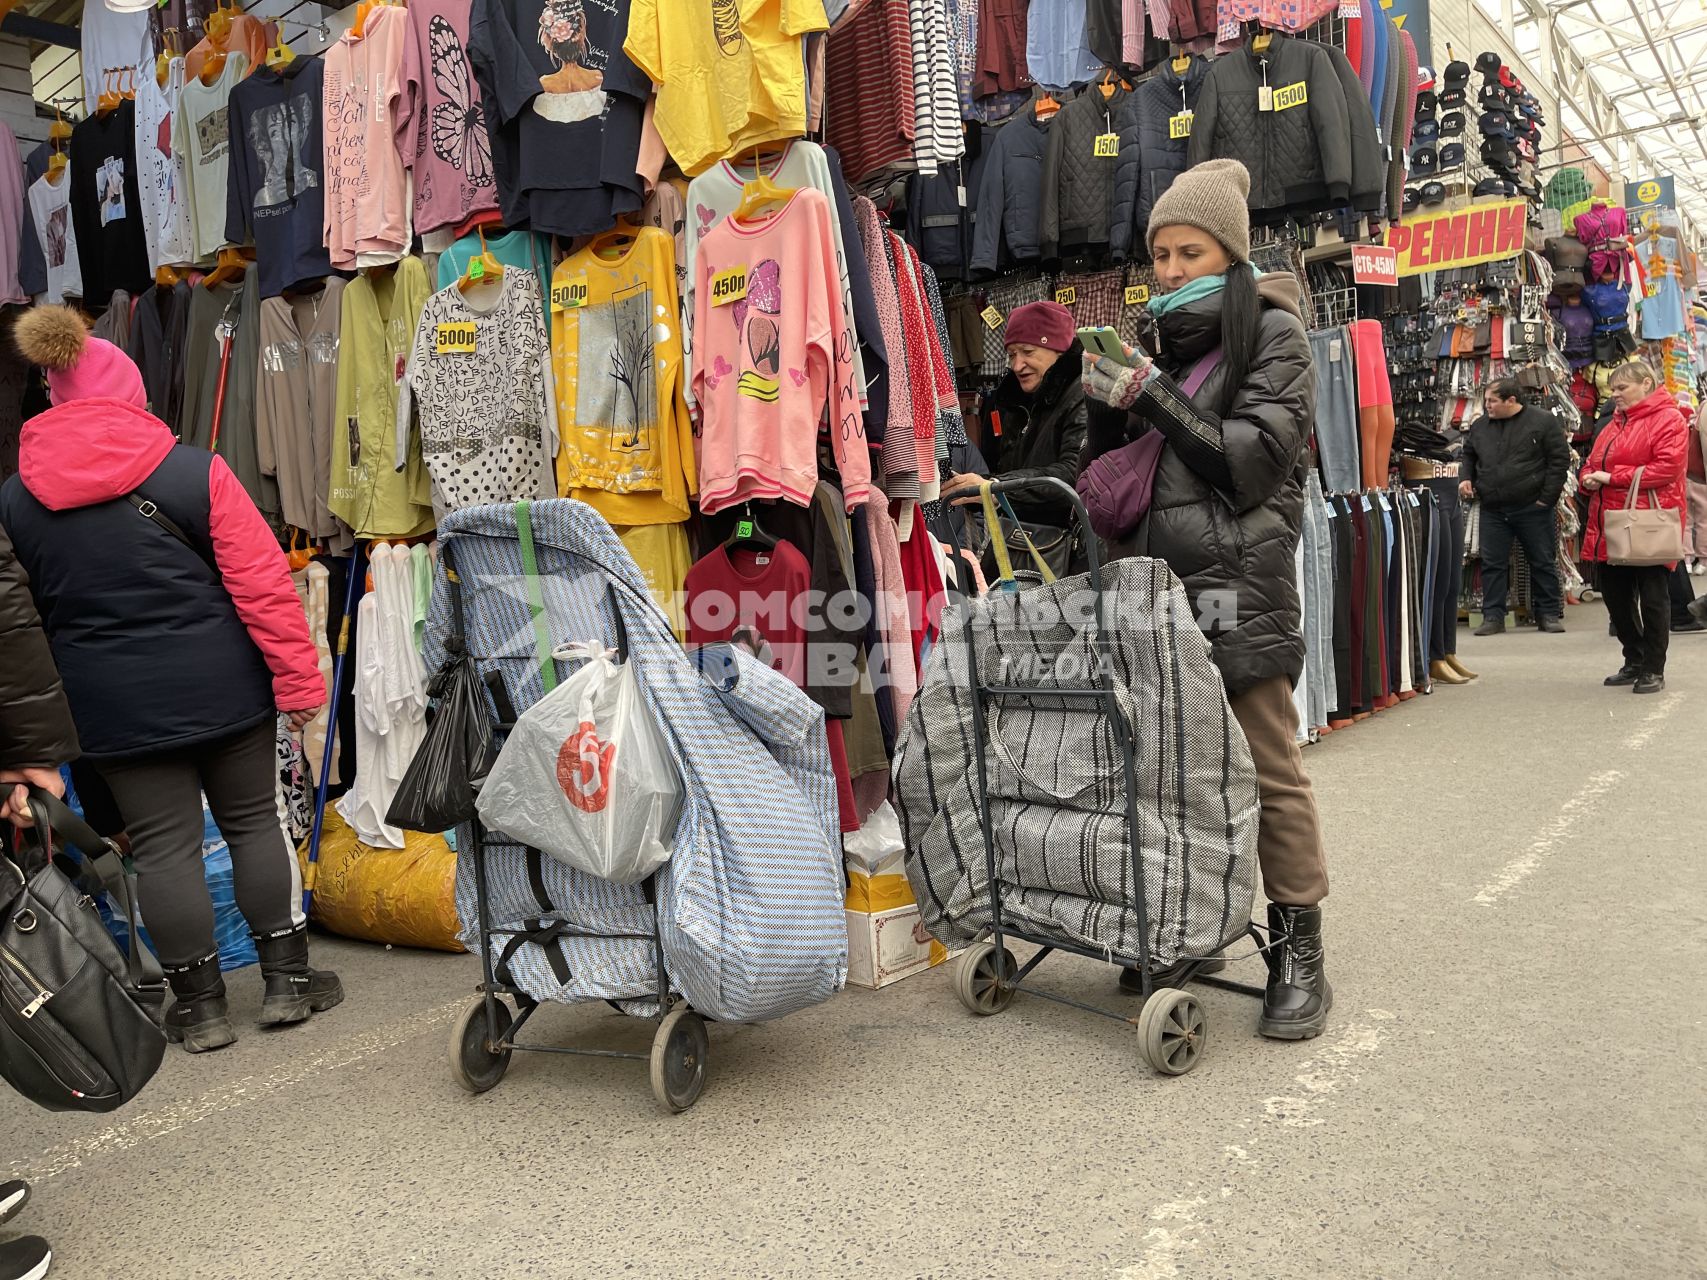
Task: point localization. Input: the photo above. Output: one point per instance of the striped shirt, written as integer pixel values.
(936, 94)
(869, 110)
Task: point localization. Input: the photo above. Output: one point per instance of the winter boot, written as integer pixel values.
(198, 1018)
(1296, 1005)
(293, 989)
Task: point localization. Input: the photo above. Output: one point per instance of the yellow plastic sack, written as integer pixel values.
(405, 896)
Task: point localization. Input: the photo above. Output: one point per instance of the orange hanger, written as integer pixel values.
(281, 55)
(168, 51)
(1182, 61)
(128, 77)
(166, 277)
(59, 132)
(358, 28)
(480, 267)
(619, 237)
(1262, 41)
(1046, 106)
(56, 165)
(109, 100)
(231, 264)
(1109, 81)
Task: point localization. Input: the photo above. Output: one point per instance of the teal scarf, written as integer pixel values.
(1190, 292)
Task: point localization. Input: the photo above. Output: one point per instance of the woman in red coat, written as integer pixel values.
(1648, 432)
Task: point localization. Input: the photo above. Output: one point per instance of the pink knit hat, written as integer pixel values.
(79, 367)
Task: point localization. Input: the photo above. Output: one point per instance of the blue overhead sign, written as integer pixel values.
(1651, 193)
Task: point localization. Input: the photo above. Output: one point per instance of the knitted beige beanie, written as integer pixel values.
(1211, 197)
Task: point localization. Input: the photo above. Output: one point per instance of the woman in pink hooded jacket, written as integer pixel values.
(180, 642)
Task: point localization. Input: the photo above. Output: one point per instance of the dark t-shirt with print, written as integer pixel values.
(106, 212)
(276, 190)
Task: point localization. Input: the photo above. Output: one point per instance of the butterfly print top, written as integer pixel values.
(441, 124)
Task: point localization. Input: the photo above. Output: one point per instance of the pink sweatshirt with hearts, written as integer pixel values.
(772, 354)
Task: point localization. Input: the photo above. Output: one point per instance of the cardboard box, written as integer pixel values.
(886, 946)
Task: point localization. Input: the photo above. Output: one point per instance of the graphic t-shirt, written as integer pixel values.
(50, 209)
(627, 440)
(106, 212)
(367, 200)
(275, 189)
(161, 176)
(110, 39)
(201, 131)
(478, 376)
(441, 124)
(730, 75)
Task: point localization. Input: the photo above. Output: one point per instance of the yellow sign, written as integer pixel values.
(728, 286)
(1648, 192)
(570, 294)
(1180, 126)
(991, 317)
(1293, 95)
(1107, 144)
(1067, 297)
(1439, 241)
(1137, 294)
(455, 338)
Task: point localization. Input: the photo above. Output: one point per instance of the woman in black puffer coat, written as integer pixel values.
(1233, 394)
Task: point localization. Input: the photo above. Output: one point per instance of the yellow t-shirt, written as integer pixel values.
(729, 72)
(625, 438)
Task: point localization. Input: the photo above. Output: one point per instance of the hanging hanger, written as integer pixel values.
(1110, 80)
(168, 51)
(619, 237)
(56, 166)
(166, 277)
(759, 192)
(109, 100)
(281, 55)
(481, 267)
(1261, 41)
(231, 265)
(358, 28)
(1182, 60)
(1045, 104)
(127, 84)
(59, 132)
(748, 532)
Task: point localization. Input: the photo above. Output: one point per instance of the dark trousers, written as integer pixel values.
(160, 797)
(1448, 569)
(1681, 591)
(1639, 599)
(1536, 530)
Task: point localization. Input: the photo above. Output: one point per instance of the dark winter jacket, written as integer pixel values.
(937, 225)
(1229, 492)
(1321, 151)
(1149, 159)
(1518, 461)
(35, 724)
(1078, 185)
(1010, 196)
(1042, 434)
(158, 648)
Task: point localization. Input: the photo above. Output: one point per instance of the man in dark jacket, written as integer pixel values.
(36, 737)
(1515, 460)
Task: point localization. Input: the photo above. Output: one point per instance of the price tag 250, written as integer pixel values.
(456, 337)
(728, 286)
(1137, 294)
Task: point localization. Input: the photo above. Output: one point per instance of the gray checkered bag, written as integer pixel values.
(1056, 784)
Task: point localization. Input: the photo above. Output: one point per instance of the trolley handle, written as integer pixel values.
(1035, 484)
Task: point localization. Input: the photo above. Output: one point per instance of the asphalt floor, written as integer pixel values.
(1511, 1084)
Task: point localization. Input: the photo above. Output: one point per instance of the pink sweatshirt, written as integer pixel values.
(770, 354)
(367, 214)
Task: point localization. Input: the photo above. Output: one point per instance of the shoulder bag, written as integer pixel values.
(1641, 537)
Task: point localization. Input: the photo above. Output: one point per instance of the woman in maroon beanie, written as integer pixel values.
(1034, 424)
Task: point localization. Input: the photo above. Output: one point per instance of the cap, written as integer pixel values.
(1410, 199)
(1488, 63)
(1428, 101)
(1424, 159)
(1457, 72)
(1425, 131)
(1494, 187)
(1432, 193)
(1452, 125)
(1496, 122)
(1451, 155)
(1454, 97)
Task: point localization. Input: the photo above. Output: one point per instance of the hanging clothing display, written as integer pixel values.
(616, 354)
(32, 264)
(1009, 199)
(50, 216)
(110, 38)
(366, 211)
(161, 172)
(11, 217)
(157, 336)
(226, 315)
(106, 212)
(201, 133)
(869, 105)
(1057, 45)
(771, 360)
(1078, 172)
(440, 123)
(729, 76)
(938, 136)
(369, 491)
(564, 107)
(479, 376)
(276, 186)
(296, 403)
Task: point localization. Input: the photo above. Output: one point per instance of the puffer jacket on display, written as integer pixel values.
(1010, 197)
(937, 225)
(1078, 184)
(1323, 150)
(35, 725)
(1653, 436)
(1150, 160)
(1229, 491)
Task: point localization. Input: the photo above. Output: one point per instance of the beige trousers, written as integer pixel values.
(1289, 838)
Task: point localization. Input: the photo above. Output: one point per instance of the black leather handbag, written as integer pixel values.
(78, 1019)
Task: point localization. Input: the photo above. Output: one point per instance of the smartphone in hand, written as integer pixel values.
(1104, 341)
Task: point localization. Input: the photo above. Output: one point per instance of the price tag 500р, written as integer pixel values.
(456, 337)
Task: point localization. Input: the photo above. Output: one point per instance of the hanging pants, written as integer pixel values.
(1289, 834)
(1448, 568)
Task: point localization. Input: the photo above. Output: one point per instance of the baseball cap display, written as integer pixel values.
(1427, 103)
(1452, 124)
(1452, 155)
(1424, 159)
(1432, 193)
(1488, 63)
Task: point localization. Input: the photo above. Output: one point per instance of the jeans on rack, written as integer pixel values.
(1536, 529)
(1448, 568)
(1336, 409)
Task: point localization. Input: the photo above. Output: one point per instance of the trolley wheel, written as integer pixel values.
(1172, 1029)
(983, 988)
(478, 1067)
(679, 1051)
(1588, 595)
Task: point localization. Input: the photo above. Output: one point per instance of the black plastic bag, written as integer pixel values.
(438, 788)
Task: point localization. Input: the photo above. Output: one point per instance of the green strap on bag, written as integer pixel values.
(536, 599)
(999, 543)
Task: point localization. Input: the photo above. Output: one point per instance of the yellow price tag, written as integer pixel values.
(991, 317)
(1180, 126)
(572, 293)
(728, 286)
(1107, 145)
(1293, 95)
(1067, 297)
(455, 338)
(1137, 294)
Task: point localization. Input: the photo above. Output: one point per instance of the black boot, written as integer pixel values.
(293, 989)
(1296, 1004)
(198, 1018)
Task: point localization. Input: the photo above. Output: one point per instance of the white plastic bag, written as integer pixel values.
(586, 775)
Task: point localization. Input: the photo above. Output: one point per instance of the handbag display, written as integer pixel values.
(79, 1026)
(1652, 535)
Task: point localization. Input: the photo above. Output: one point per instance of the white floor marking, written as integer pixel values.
(1335, 1066)
(1557, 831)
(1651, 722)
(148, 1125)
